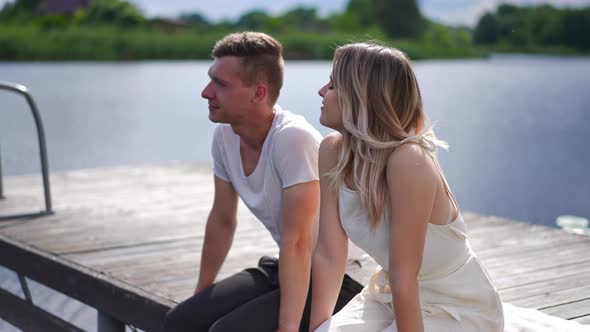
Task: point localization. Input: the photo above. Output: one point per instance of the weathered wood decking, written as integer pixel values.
(127, 241)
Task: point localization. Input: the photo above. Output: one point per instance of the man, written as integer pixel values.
(267, 157)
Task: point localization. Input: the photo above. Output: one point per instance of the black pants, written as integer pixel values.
(246, 301)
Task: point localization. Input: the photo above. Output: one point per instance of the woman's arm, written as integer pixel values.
(411, 181)
(329, 258)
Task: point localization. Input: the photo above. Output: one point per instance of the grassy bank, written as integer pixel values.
(537, 50)
(111, 44)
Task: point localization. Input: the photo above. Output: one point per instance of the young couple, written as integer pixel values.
(379, 185)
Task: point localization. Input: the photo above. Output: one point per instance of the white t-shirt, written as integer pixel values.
(289, 156)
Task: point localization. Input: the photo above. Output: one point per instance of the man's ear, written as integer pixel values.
(260, 94)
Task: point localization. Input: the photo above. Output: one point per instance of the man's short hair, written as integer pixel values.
(261, 58)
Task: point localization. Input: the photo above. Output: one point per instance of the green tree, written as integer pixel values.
(400, 18)
(513, 25)
(254, 20)
(346, 22)
(364, 10)
(19, 9)
(51, 21)
(113, 12)
(304, 18)
(27, 5)
(194, 19)
(544, 25)
(79, 17)
(576, 29)
(486, 31)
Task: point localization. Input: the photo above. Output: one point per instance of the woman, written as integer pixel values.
(382, 186)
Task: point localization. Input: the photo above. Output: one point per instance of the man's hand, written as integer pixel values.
(284, 327)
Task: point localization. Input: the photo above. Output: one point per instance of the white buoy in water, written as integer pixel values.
(573, 224)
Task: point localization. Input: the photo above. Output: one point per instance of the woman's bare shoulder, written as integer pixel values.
(329, 151)
(410, 159)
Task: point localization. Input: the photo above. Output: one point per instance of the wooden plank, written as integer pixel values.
(518, 280)
(85, 231)
(583, 320)
(139, 230)
(567, 250)
(505, 267)
(527, 242)
(28, 317)
(547, 290)
(570, 310)
(108, 295)
(556, 298)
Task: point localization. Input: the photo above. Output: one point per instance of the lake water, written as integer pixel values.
(517, 125)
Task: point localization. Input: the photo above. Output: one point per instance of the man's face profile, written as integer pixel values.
(226, 94)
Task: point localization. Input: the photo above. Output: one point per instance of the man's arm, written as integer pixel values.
(219, 232)
(300, 207)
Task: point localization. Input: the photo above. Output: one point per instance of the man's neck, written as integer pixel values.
(253, 132)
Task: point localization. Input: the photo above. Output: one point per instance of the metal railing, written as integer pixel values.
(22, 90)
(105, 322)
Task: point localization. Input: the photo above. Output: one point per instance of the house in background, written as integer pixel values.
(64, 7)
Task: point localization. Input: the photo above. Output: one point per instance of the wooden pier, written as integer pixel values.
(127, 242)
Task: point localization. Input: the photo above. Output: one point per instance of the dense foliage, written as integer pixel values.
(117, 30)
(100, 12)
(535, 26)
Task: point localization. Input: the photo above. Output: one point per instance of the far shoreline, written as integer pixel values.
(490, 56)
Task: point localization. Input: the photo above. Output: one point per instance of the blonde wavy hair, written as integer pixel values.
(381, 108)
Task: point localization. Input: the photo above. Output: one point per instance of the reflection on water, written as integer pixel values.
(516, 125)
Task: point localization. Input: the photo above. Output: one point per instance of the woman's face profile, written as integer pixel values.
(330, 115)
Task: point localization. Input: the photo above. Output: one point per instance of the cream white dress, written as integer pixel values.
(455, 291)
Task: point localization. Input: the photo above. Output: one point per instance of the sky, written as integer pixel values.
(455, 12)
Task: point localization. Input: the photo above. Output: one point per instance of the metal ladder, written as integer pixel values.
(105, 322)
(22, 90)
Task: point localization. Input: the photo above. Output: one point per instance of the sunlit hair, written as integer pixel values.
(261, 58)
(381, 106)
